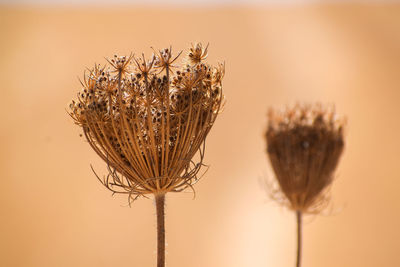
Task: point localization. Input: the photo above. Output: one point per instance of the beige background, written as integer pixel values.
(55, 213)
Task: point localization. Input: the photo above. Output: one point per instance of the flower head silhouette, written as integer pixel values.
(304, 145)
(147, 119)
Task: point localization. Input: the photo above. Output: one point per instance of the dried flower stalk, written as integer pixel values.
(147, 122)
(304, 144)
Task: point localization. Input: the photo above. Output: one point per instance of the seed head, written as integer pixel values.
(304, 144)
(147, 122)
(197, 53)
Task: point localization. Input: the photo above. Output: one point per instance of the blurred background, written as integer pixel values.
(56, 213)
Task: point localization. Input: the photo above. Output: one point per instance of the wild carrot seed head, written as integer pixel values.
(147, 121)
(304, 144)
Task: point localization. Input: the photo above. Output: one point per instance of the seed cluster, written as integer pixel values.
(147, 121)
(304, 144)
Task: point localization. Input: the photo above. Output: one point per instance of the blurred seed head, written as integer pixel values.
(147, 119)
(304, 144)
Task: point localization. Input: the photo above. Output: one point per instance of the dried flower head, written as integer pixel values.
(147, 121)
(197, 53)
(304, 144)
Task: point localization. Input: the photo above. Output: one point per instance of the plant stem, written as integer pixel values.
(299, 238)
(160, 204)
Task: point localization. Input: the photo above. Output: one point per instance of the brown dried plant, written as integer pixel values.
(304, 144)
(147, 119)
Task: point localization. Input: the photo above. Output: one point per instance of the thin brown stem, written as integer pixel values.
(299, 238)
(160, 204)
